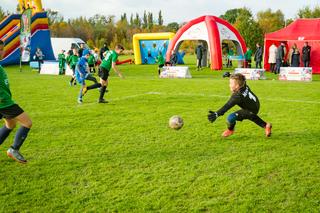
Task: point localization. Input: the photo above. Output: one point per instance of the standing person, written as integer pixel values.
(62, 62)
(306, 50)
(246, 100)
(247, 57)
(91, 63)
(295, 56)
(12, 114)
(39, 57)
(199, 53)
(173, 59)
(107, 63)
(230, 54)
(160, 61)
(80, 51)
(74, 58)
(258, 56)
(279, 58)
(83, 74)
(272, 57)
(103, 50)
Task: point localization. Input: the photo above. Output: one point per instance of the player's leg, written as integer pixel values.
(104, 83)
(5, 130)
(231, 123)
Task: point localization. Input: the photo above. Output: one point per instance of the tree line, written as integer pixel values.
(100, 29)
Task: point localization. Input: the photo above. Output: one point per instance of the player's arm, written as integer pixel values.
(234, 99)
(115, 68)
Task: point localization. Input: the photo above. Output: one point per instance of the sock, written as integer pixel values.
(102, 91)
(71, 80)
(4, 133)
(20, 137)
(97, 85)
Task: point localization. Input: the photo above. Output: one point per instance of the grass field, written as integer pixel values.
(122, 157)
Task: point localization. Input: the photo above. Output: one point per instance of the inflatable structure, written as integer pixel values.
(211, 31)
(146, 46)
(40, 33)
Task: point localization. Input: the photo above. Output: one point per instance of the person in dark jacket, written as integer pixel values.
(306, 50)
(246, 100)
(258, 56)
(103, 50)
(280, 57)
(199, 53)
(295, 56)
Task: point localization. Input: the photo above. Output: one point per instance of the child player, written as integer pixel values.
(73, 60)
(160, 61)
(109, 61)
(83, 74)
(12, 114)
(244, 98)
(62, 62)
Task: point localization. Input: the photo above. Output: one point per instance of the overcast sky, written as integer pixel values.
(173, 11)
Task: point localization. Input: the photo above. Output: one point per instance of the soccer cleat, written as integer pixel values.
(15, 155)
(102, 101)
(227, 133)
(84, 90)
(268, 129)
(79, 100)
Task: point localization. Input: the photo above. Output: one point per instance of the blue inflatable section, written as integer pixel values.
(150, 49)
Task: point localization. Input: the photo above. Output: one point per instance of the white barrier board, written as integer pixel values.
(251, 73)
(50, 68)
(295, 73)
(175, 72)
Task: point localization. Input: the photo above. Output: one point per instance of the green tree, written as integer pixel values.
(150, 20)
(307, 12)
(249, 28)
(270, 21)
(232, 15)
(54, 16)
(145, 20)
(173, 27)
(160, 18)
(3, 14)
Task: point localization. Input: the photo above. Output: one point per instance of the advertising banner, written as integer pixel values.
(251, 73)
(175, 72)
(295, 73)
(25, 35)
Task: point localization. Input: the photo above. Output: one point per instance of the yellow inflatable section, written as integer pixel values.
(36, 5)
(147, 36)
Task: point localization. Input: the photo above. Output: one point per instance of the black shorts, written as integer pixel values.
(11, 111)
(103, 73)
(243, 114)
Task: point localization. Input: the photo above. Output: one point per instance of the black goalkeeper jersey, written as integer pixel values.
(244, 98)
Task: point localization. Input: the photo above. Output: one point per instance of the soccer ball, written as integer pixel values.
(176, 122)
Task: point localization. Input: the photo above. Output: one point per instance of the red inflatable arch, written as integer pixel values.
(212, 30)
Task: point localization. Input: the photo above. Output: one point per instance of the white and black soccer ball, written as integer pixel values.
(176, 122)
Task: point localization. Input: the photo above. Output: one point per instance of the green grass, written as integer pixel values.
(123, 157)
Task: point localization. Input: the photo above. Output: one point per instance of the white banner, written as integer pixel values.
(50, 68)
(175, 72)
(295, 73)
(251, 73)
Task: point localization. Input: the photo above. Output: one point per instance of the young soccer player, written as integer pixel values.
(104, 69)
(83, 74)
(74, 58)
(160, 61)
(244, 98)
(12, 114)
(62, 62)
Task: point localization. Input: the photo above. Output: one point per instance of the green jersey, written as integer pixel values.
(111, 56)
(62, 60)
(74, 60)
(5, 94)
(248, 55)
(91, 60)
(160, 59)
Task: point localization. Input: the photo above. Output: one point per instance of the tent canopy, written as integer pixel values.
(298, 32)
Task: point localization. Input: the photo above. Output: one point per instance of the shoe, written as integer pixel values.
(79, 101)
(102, 101)
(268, 129)
(227, 133)
(15, 155)
(84, 90)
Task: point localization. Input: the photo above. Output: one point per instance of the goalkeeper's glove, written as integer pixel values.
(212, 116)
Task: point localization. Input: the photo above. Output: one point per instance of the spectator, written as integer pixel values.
(279, 58)
(258, 56)
(230, 54)
(306, 54)
(272, 57)
(39, 57)
(294, 55)
(103, 50)
(199, 53)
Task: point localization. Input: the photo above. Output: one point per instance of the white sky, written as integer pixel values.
(172, 11)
